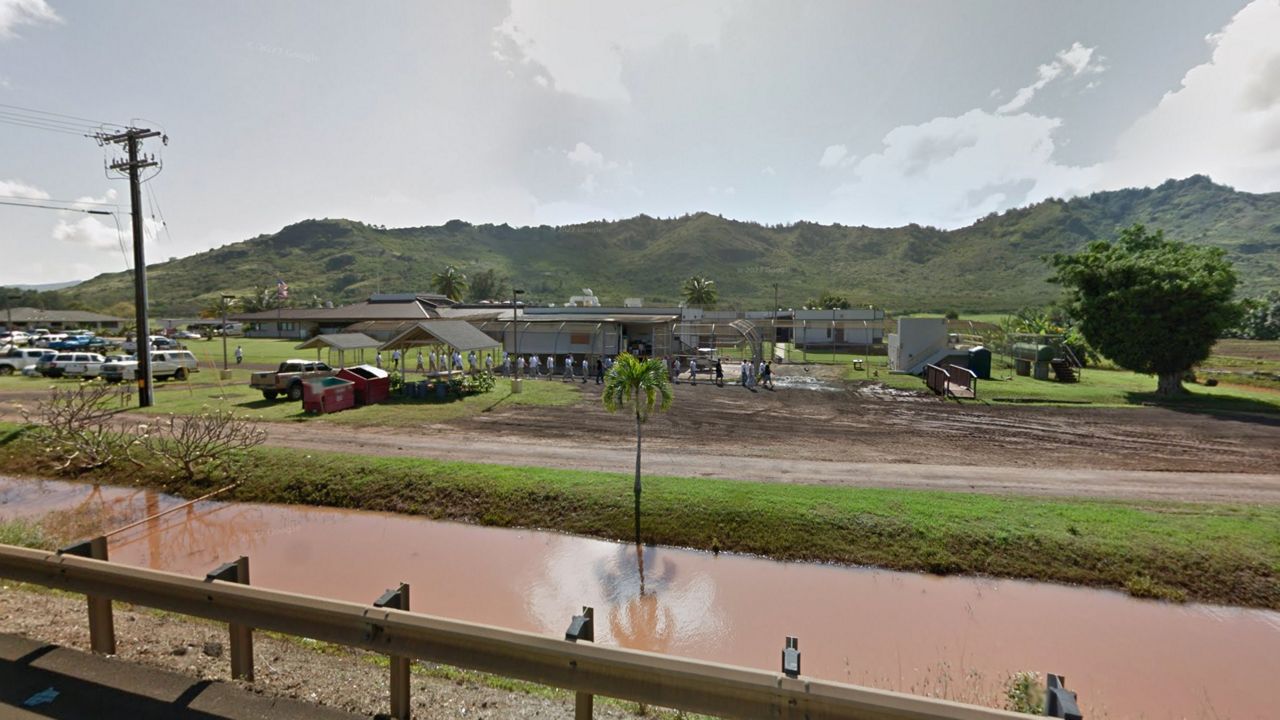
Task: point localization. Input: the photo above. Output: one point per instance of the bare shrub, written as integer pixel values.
(202, 445)
(74, 429)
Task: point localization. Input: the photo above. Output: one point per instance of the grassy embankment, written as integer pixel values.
(1219, 553)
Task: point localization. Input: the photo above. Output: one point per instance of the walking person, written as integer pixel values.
(421, 367)
(239, 354)
(693, 371)
(599, 371)
(395, 360)
(568, 368)
(551, 364)
(533, 366)
(586, 365)
(719, 373)
(766, 375)
(520, 364)
(506, 365)
(377, 360)
(471, 361)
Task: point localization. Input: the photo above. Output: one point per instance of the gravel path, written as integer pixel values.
(327, 675)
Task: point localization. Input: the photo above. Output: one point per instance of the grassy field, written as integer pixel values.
(206, 391)
(1097, 388)
(1219, 553)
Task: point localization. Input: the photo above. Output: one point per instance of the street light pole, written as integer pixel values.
(515, 329)
(226, 300)
(773, 326)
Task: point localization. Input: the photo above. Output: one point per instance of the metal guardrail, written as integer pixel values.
(664, 681)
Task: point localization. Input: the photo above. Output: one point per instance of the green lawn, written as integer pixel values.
(240, 398)
(1219, 553)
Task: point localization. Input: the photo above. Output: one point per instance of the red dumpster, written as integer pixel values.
(328, 394)
(372, 385)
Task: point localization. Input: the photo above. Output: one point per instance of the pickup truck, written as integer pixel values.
(18, 359)
(288, 378)
(165, 364)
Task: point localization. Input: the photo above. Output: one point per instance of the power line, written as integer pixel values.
(55, 207)
(91, 121)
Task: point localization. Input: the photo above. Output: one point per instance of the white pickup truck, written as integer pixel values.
(80, 364)
(18, 359)
(165, 364)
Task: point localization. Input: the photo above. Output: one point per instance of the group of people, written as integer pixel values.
(570, 369)
(443, 362)
(749, 373)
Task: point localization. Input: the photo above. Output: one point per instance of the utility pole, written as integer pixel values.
(133, 166)
(226, 300)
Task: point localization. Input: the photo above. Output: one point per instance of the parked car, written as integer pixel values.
(15, 338)
(288, 378)
(158, 342)
(166, 364)
(18, 359)
(80, 364)
(78, 342)
(187, 335)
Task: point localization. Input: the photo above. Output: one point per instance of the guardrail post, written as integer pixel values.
(791, 657)
(582, 627)
(1059, 702)
(241, 635)
(102, 629)
(398, 599)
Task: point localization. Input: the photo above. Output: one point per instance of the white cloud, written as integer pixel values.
(582, 44)
(19, 189)
(1076, 60)
(951, 170)
(582, 154)
(94, 232)
(768, 171)
(24, 12)
(600, 173)
(836, 156)
(1224, 120)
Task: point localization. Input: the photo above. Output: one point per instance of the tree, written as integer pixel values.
(260, 299)
(1152, 305)
(450, 283)
(828, 301)
(643, 384)
(488, 285)
(1261, 320)
(700, 292)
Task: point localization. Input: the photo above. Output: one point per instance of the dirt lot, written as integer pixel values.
(860, 436)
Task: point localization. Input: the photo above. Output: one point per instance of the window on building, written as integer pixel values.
(287, 326)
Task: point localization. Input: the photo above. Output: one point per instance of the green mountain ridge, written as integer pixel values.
(995, 264)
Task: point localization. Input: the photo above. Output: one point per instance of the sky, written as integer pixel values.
(562, 111)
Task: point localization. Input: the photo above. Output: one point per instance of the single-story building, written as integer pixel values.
(28, 319)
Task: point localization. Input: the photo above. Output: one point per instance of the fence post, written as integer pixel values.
(398, 599)
(102, 630)
(582, 627)
(791, 657)
(241, 635)
(1059, 702)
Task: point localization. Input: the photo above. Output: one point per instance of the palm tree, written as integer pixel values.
(700, 292)
(451, 283)
(643, 383)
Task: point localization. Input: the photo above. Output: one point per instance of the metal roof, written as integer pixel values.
(457, 334)
(30, 314)
(340, 341)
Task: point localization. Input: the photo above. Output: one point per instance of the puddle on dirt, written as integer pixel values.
(955, 637)
(802, 382)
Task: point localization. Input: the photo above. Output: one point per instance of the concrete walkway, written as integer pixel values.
(91, 686)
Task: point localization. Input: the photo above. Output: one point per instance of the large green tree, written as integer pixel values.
(828, 301)
(1152, 305)
(488, 285)
(700, 292)
(450, 283)
(644, 385)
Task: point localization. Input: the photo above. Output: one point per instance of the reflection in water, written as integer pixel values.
(919, 633)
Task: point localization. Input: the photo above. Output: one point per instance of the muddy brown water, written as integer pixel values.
(956, 637)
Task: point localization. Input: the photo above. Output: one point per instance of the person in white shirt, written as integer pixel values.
(488, 363)
(520, 364)
(586, 370)
(743, 372)
(471, 360)
(421, 367)
(395, 359)
(693, 371)
(568, 368)
(551, 365)
(533, 366)
(506, 365)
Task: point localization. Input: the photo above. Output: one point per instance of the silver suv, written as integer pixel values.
(18, 359)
